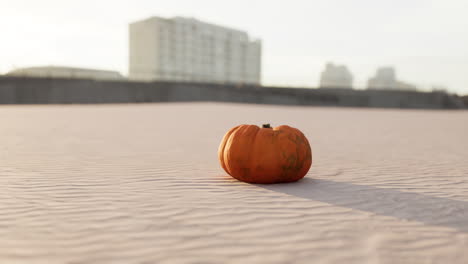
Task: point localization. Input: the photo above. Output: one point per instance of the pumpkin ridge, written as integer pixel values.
(233, 138)
(298, 165)
(234, 157)
(252, 149)
(307, 159)
(248, 150)
(225, 142)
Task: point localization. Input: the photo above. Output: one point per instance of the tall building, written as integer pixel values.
(385, 79)
(66, 72)
(336, 76)
(186, 49)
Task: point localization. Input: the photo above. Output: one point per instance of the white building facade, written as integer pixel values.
(185, 49)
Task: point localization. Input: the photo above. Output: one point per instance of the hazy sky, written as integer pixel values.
(425, 40)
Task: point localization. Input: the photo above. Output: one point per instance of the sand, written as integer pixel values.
(142, 184)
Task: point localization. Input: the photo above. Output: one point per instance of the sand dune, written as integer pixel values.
(142, 184)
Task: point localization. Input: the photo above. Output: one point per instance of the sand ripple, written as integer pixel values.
(142, 184)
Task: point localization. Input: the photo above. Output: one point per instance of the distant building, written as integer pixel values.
(66, 72)
(406, 86)
(439, 89)
(385, 79)
(186, 49)
(336, 76)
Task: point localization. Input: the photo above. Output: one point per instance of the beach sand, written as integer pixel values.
(142, 184)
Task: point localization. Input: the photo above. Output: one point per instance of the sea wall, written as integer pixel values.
(22, 90)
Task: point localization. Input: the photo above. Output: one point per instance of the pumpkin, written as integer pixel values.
(265, 155)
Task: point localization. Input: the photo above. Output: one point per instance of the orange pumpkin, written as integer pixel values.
(265, 155)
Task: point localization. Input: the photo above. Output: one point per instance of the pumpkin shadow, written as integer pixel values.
(381, 201)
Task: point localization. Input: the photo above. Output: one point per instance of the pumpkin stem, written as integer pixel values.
(266, 126)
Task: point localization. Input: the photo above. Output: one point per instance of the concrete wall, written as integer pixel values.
(21, 90)
(465, 100)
